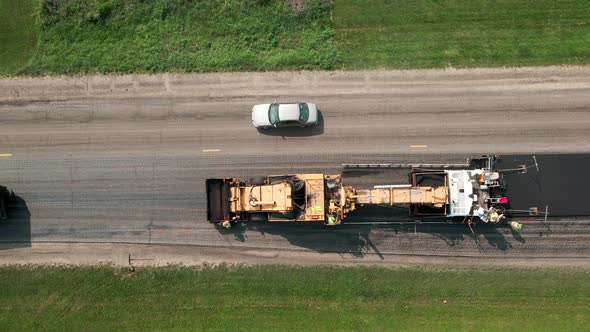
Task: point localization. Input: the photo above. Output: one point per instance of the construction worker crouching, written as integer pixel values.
(515, 225)
(229, 223)
(331, 220)
(493, 216)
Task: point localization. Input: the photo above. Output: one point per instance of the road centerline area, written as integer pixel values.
(136, 176)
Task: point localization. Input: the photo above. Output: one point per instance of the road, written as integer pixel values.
(124, 159)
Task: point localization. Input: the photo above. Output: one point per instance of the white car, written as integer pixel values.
(284, 115)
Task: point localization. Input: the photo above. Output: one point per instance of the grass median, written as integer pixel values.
(291, 298)
(182, 36)
(18, 34)
(88, 36)
(461, 33)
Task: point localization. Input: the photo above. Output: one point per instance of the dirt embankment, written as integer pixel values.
(317, 83)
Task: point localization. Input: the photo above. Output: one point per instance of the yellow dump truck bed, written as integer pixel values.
(314, 197)
(264, 198)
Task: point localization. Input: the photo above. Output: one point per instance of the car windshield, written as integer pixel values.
(273, 114)
(303, 112)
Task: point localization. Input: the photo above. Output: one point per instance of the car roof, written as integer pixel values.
(289, 112)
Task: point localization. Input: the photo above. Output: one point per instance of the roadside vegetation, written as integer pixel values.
(18, 34)
(292, 298)
(89, 36)
(182, 36)
(461, 33)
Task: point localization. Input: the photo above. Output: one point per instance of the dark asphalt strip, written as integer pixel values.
(562, 183)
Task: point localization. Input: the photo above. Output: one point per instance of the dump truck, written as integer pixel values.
(474, 193)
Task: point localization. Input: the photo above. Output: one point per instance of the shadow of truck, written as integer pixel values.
(358, 240)
(15, 221)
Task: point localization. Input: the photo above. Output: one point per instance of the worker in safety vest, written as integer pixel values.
(331, 220)
(493, 217)
(515, 225)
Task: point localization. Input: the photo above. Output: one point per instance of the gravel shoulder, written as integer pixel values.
(296, 84)
(160, 255)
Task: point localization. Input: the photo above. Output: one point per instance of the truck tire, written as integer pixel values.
(258, 217)
(258, 181)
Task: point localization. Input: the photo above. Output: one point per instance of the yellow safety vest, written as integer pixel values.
(493, 217)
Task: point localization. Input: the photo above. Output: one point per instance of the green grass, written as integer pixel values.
(18, 34)
(182, 36)
(292, 298)
(461, 33)
(87, 36)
